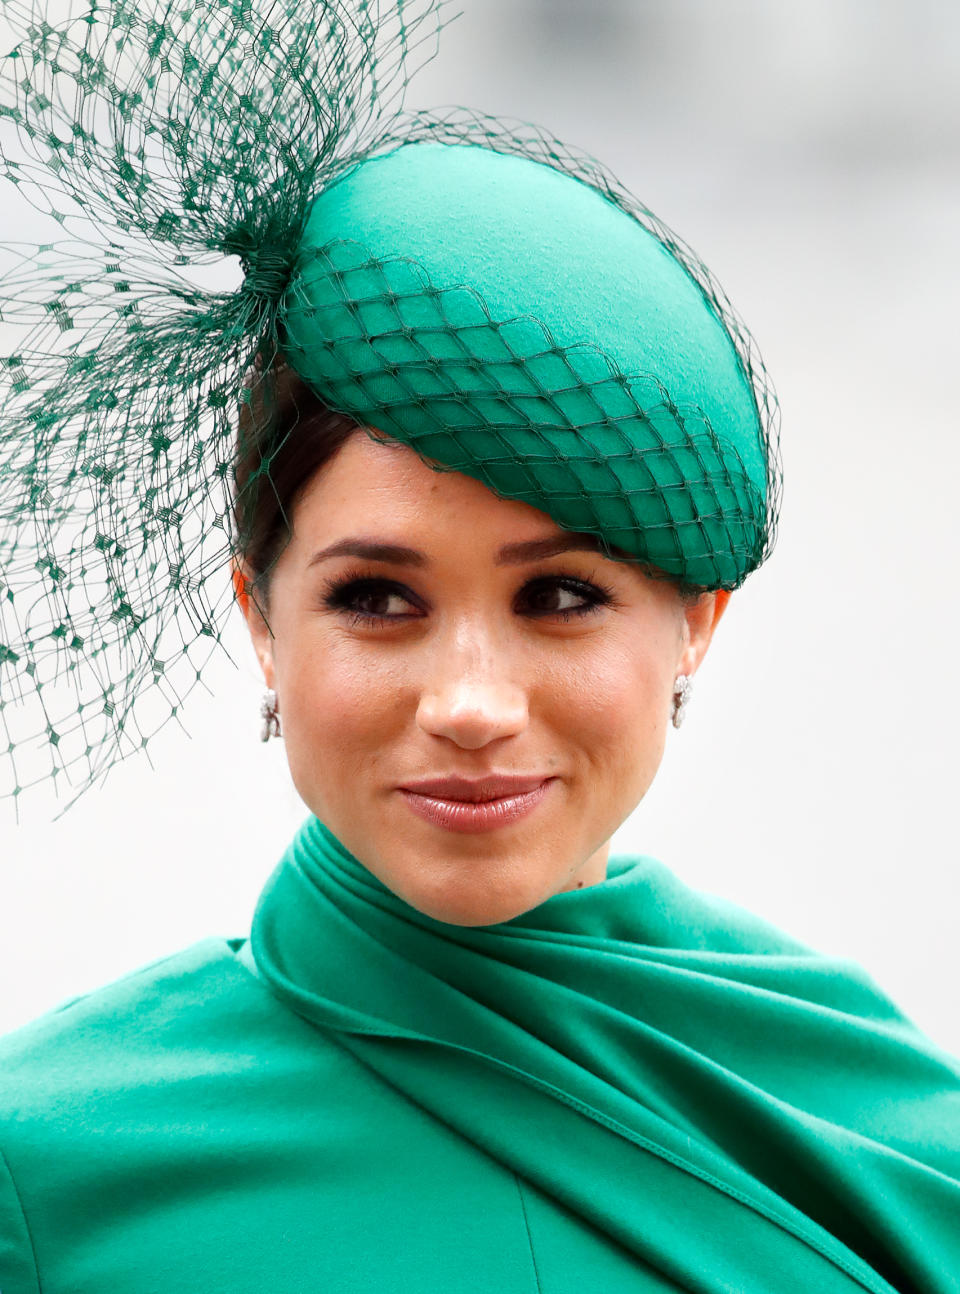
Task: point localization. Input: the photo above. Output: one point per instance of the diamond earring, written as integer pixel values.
(682, 688)
(270, 716)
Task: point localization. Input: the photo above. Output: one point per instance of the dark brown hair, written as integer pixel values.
(286, 434)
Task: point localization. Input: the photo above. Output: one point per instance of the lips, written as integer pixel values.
(494, 786)
(474, 805)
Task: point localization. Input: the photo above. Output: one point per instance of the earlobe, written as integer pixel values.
(264, 655)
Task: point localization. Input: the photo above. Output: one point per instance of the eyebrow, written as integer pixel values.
(531, 550)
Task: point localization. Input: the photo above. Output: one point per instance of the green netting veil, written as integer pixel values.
(466, 285)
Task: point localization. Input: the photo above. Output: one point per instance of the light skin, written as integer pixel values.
(469, 660)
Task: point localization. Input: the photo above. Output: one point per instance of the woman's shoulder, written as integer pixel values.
(148, 1025)
(164, 985)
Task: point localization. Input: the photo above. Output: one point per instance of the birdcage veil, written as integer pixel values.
(154, 141)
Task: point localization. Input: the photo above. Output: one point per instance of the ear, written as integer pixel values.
(701, 618)
(260, 632)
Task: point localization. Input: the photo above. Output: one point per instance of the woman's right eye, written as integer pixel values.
(369, 599)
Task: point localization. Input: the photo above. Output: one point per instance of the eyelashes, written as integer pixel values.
(365, 598)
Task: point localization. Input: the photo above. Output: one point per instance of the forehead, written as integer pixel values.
(373, 482)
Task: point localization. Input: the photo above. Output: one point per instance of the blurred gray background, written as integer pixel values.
(810, 155)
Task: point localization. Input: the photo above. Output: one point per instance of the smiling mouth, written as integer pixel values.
(491, 786)
(478, 813)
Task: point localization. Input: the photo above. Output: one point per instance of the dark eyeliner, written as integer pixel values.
(339, 595)
(339, 592)
(596, 596)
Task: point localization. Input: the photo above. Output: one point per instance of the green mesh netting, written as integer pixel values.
(158, 139)
(534, 335)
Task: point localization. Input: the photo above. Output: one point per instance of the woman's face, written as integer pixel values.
(422, 629)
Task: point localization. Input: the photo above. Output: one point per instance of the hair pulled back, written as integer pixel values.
(286, 434)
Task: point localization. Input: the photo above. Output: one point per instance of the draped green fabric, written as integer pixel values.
(634, 1088)
(735, 1109)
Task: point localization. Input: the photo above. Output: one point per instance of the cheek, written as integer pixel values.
(615, 705)
(340, 704)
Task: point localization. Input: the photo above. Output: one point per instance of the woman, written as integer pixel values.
(504, 457)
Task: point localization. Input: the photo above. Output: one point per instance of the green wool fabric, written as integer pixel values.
(511, 322)
(632, 1087)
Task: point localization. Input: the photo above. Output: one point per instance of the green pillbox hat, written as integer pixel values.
(509, 321)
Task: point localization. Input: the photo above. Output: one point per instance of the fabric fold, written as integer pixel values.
(740, 1111)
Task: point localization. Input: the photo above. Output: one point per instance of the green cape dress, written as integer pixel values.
(632, 1087)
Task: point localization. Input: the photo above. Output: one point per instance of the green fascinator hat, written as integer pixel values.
(470, 287)
(507, 319)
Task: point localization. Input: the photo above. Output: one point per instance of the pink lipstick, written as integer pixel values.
(459, 804)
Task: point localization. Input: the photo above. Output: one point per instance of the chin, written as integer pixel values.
(473, 914)
(454, 901)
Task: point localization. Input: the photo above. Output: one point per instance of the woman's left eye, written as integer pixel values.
(564, 597)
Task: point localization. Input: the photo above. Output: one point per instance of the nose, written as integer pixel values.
(471, 700)
(471, 715)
